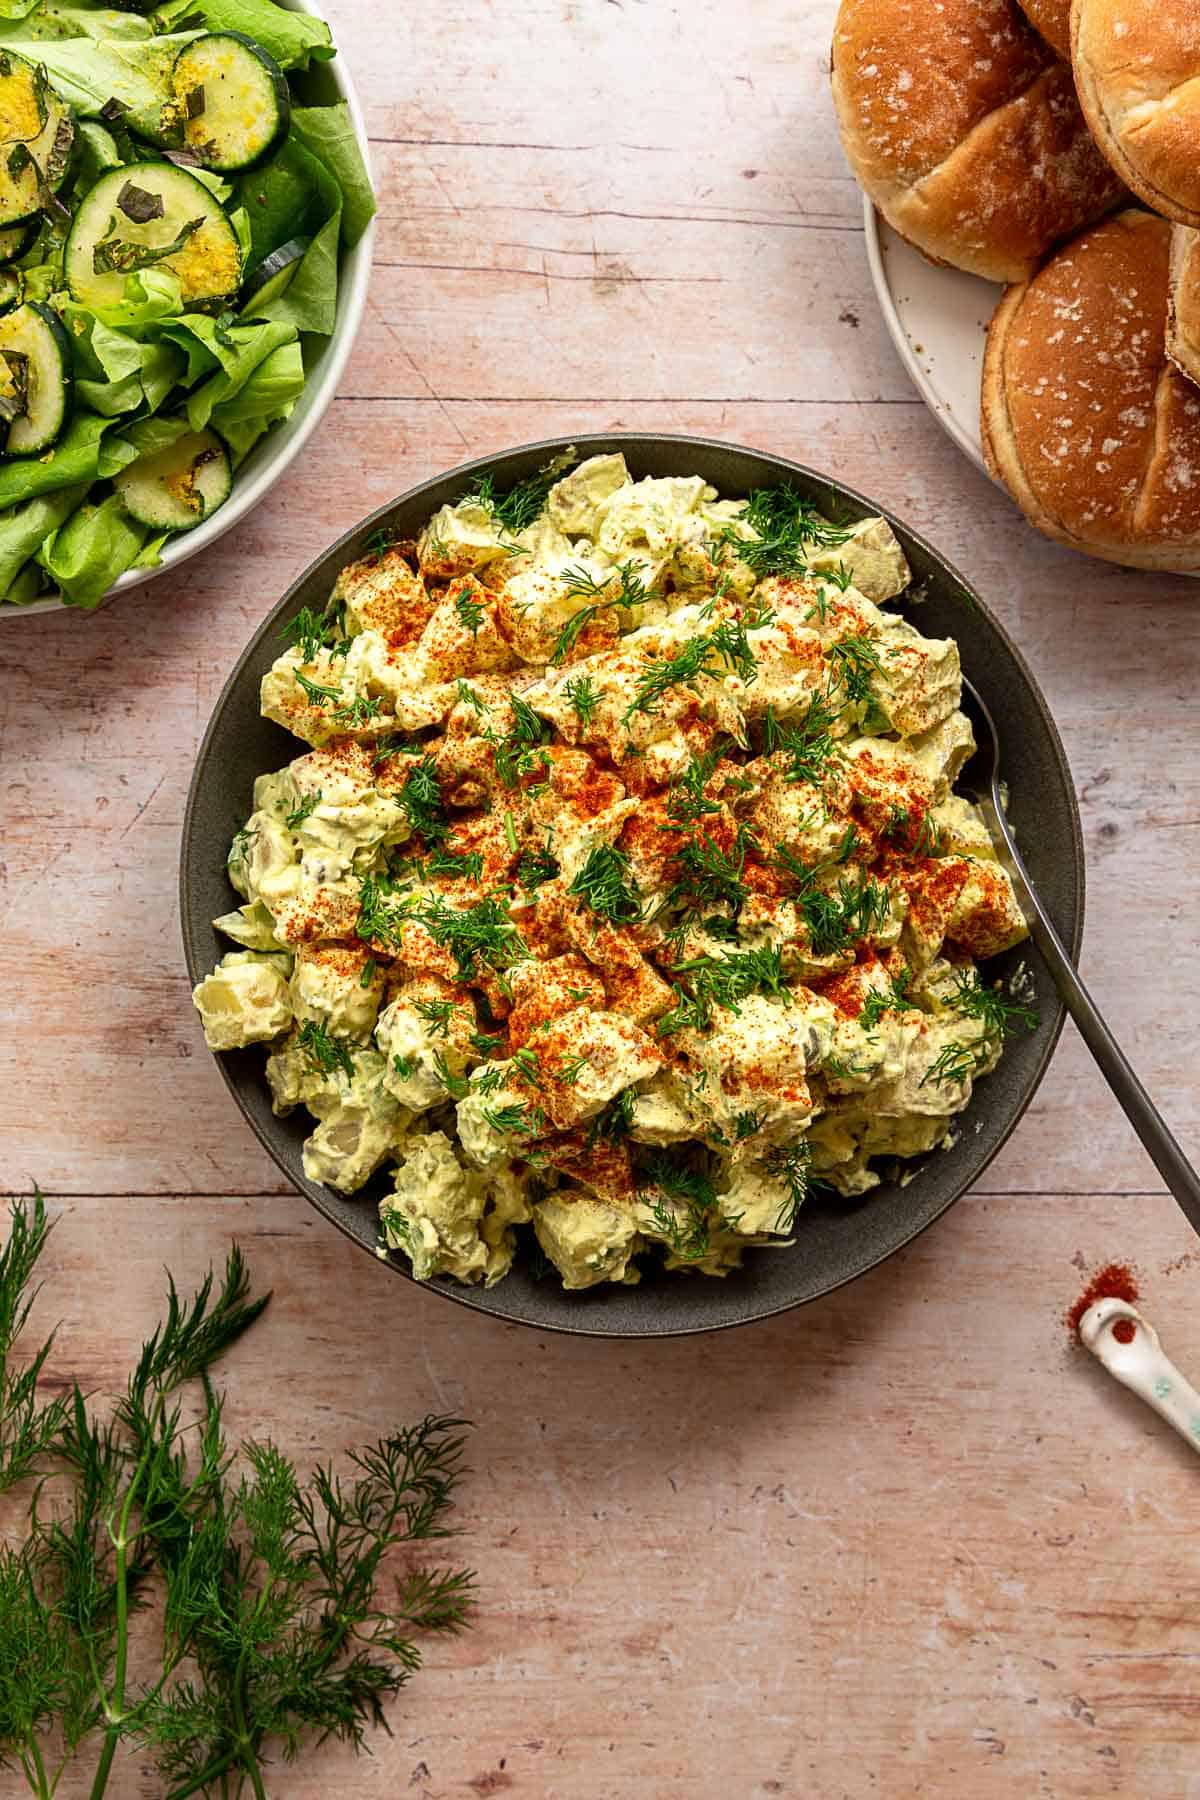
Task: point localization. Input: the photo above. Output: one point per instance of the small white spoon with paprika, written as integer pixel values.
(1127, 1344)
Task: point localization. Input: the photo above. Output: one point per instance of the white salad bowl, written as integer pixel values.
(277, 450)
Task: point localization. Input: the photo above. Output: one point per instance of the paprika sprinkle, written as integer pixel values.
(1116, 1281)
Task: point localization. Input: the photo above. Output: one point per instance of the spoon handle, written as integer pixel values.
(1157, 1139)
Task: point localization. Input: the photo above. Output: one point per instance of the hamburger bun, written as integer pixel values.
(1183, 310)
(1137, 64)
(965, 131)
(1053, 19)
(1087, 423)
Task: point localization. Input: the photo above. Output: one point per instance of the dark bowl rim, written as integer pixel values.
(633, 440)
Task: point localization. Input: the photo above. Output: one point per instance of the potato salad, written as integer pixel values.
(621, 897)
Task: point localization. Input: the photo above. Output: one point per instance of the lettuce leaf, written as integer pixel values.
(270, 393)
(309, 302)
(25, 529)
(58, 19)
(293, 39)
(80, 455)
(328, 131)
(150, 295)
(27, 584)
(88, 72)
(95, 546)
(291, 196)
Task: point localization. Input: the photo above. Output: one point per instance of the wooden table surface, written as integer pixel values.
(907, 1541)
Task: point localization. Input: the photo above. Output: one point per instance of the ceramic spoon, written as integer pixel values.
(1143, 1115)
(1134, 1355)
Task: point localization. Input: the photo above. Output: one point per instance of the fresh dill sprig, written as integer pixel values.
(324, 1052)
(437, 1014)
(571, 632)
(311, 632)
(706, 875)
(469, 609)
(695, 1213)
(535, 868)
(956, 1063)
(786, 527)
(478, 936)
(456, 1085)
(688, 798)
(359, 711)
(381, 912)
(999, 1013)
(809, 742)
(855, 663)
(893, 998)
(517, 1117)
(305, 810)
(520, 505)
(517, 752)
(489, 1080)
(659, 675)
(469, 697)
(584, 697)
(857, 910)
(724, 981)
(605, 884)
(614, 1121)
(630, 591)
(528, 1065)
(28, 1429)
(792, 1163)
(460, 865)
(421, 801)
(314, 692)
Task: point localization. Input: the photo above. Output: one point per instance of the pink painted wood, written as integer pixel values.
(906, 1542)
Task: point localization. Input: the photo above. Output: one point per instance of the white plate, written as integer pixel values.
(273, 453)
(938, 319)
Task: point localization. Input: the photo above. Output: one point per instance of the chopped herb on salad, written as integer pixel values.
(172, 212)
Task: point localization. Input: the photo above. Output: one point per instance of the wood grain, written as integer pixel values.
(904, 1543)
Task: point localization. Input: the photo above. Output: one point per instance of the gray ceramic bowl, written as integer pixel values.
(835, 1240)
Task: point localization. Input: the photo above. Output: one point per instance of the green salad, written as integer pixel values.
(173, 211)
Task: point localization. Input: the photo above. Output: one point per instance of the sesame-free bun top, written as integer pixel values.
(1183, 316)
(1052, 18)
(1137, 69)
(1089, 426)
(965, 131)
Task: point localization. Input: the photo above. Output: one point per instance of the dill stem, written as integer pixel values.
(36, 1776)
(219, 1766)
(115, 1708)
(246, 1747)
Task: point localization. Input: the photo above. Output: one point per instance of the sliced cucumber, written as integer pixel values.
(231, 101)
(35, 379)
(274, 274)
(12, 290)
(151, 215)
(15, 240)
(37, 135)
(178, 488)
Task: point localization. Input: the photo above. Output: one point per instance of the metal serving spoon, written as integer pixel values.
(1140, 1110)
